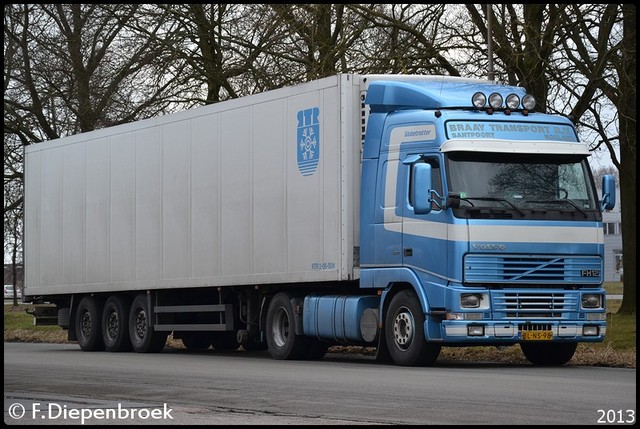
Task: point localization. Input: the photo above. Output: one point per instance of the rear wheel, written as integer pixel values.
(404, 332)
(88, 316)
(281, 336)
(548, 354)
(115, 324)
(144, 338)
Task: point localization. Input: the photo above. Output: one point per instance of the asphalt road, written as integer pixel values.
(60, 384)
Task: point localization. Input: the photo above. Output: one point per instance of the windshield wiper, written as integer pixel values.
(558, 201)
(502, 200)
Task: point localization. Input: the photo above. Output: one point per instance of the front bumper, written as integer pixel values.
(481, 331)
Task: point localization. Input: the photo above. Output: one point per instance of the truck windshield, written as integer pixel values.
(526, 185)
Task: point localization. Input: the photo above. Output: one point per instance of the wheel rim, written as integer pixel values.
(112, 325)
(141, 324)
(85, 324)
(280, 327)
(403, 328)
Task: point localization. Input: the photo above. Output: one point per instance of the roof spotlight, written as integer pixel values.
(513, 101)
(528, 102)
(495, 100)
(479, 100)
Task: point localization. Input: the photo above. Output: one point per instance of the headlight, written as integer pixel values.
(590, 331)
(470, 300)
(475, 330)
(591, 300)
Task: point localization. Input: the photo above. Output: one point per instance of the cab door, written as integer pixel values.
(424, 246)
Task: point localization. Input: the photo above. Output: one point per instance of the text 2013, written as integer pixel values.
(617, 416)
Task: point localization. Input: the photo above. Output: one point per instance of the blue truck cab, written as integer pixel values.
(480, 222)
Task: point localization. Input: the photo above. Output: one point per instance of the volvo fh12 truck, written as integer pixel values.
(404, 213)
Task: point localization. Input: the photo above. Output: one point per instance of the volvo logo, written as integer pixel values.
(488, 246)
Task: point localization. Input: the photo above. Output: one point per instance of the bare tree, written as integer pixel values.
(624, 97)
(13, 213)
(406, 39)
(314, 38)
(599, 54)
(221, 46)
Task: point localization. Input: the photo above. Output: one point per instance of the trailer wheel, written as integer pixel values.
(548, 354)
(88, 315)
(281, 336)
(144, 338)
(115, 324)
(404, 332)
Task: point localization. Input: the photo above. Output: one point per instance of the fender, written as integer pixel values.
(386, 277)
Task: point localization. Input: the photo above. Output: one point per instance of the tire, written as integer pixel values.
(224, 341)
(115, 324)
(88, 322)
(196, 340)
(144, 338)
(548, 354)
(281, 337)
(404, 332)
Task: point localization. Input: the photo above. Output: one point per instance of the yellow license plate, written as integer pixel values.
(537, 335)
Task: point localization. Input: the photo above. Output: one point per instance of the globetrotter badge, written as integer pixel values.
(308, 140)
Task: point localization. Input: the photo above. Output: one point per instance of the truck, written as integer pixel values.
(405, 213)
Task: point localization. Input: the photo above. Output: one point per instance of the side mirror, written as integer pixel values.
(421, 192)
(608, 201)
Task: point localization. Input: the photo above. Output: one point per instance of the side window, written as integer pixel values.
(436, 178)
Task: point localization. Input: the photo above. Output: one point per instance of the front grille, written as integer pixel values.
(532, 269)
(520, 305)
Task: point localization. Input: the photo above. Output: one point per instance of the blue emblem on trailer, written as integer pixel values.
(308, 140)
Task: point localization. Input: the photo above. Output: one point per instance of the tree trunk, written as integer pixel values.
(627, 110)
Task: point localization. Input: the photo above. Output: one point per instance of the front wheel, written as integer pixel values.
(404, 332)
(144, 338)
(548, 354)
